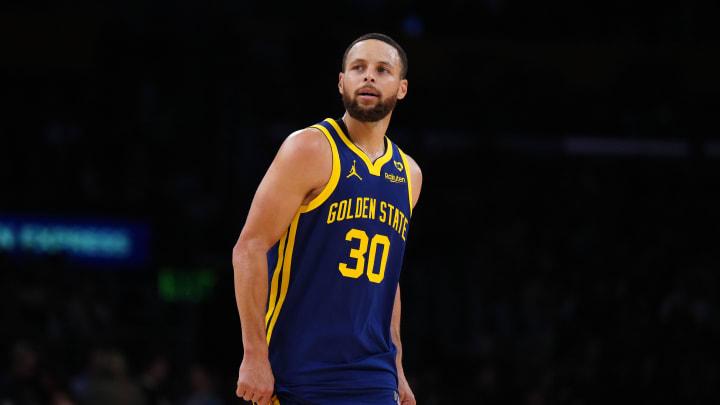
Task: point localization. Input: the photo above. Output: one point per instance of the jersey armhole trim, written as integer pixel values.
(334, 176)
(407, 173)
(285, 283)
(272, 300)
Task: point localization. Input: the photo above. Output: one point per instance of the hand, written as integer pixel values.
(406, 395)
(255, 381)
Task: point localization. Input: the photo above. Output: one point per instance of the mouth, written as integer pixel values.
(368, 92)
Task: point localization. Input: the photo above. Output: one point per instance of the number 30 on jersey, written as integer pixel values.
(359, 255)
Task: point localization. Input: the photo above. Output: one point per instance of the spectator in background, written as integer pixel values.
(22, 385)
(152, 381)
(203, 385)
(109, 384)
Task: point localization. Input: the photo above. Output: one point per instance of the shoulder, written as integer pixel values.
(416, 178)
(415, 171)
(306, 155)
(307, 146)
(306, 141)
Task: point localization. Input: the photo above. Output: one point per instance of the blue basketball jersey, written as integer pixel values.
(333, 278)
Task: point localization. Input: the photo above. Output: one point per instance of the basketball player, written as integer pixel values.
(318, 261)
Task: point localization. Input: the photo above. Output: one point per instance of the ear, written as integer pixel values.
(340, 83)
(402, 90)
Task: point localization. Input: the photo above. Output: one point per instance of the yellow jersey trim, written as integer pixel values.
(287, 262)
(273, 401)
(274, 283)
(373, 168)
(334, 176)
(407, 173)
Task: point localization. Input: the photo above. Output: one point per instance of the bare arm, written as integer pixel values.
(301, 168)
(395, 331)
(416, 179)
(406, 395)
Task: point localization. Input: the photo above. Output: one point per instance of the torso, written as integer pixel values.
(334, 274)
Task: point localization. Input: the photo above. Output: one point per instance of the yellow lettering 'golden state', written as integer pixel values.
(342, 209)
(366, 208)
(348, 214)
(332, 213)
(359, 207)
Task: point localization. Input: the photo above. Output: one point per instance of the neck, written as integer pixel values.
(368, 136)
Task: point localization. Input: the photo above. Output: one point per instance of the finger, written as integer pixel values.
(242, 386)
(240, 391)
(267, 398)
(249, 396)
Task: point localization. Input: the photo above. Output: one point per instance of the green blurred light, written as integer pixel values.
(185, 285)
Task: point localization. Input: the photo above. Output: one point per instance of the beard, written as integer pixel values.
(369, 114)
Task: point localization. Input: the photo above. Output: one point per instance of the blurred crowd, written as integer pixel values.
(561, 280)
(531, 276)
(568, 280)
(72, 336)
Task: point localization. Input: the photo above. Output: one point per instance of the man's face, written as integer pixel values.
(371, 83)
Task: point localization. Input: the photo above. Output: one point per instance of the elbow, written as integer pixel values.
(244, 250)
(238, 251)
(238, 248)
(243, 244)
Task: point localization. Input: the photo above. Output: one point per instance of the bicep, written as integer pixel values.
(297, 169)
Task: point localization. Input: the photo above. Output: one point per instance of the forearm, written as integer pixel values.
(398, 357)
(395, 331)
(251, 289)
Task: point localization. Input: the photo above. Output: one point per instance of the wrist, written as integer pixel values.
(400, 370)
(255, 352)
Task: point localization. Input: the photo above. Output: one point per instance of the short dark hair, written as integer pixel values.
(387, 40)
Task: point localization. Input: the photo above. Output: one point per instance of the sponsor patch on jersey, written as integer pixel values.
(395, 178)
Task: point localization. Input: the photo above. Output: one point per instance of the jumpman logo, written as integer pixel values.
(353, 172)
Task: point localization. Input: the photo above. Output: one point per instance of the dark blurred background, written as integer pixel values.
(564, 250)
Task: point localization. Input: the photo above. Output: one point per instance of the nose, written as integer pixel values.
(369, 77)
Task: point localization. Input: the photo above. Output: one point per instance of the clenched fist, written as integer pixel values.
(255, 381)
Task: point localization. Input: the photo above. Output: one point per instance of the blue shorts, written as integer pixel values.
(393, 399)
